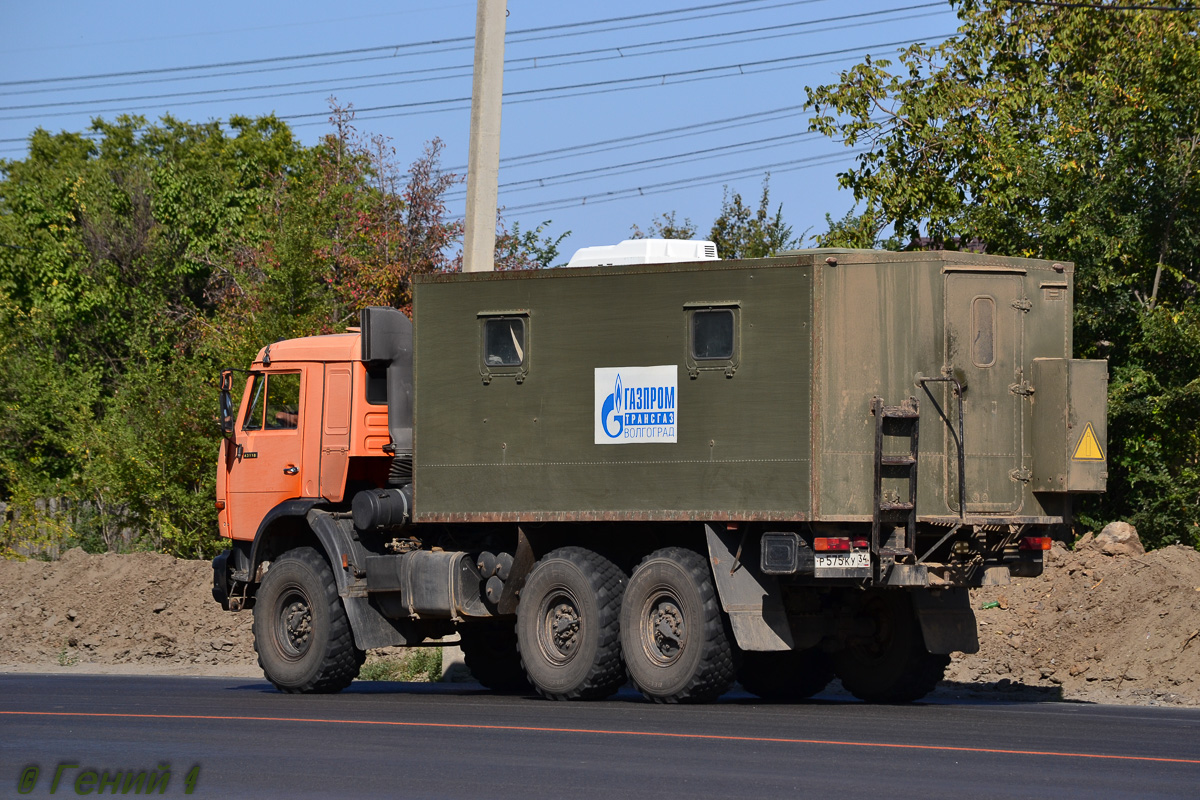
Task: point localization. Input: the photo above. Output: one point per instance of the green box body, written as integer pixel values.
(780, 430)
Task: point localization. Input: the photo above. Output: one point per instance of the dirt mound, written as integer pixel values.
(1106, 628)
(1121, 628)
(139, 609)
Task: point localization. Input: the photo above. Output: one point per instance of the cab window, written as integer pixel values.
(254, 409)
(274, 402)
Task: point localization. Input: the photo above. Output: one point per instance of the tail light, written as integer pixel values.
(1035, 543)
(861, 543)
(825, 544)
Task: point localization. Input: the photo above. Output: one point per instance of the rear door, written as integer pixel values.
(984, 342)
(266, 469)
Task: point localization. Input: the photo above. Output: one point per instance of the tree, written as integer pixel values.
(742, 232)
(348, 230)
(518, 249)
(739, 231)
(857, 230)
(111, 245)
(666, 227)
(1072, 133)
(139, 262)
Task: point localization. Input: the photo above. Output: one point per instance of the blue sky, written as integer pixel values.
(647, 107)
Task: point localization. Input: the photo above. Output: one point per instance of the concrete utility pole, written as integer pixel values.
(483, 163)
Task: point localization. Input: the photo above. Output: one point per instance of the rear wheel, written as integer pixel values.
(677, 643)
(301, 632)
(490, 652)
(567, 625)
(787, 676)
(892, 666)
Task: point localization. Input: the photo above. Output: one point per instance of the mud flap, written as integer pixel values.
(752, 600)
(370, 628)
(947, 620)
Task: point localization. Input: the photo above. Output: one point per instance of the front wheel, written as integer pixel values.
(677, 643)
(301, 632)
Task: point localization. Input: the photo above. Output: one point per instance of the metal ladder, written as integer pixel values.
(905, 419)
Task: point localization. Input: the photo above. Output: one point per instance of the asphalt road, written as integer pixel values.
(456, 740)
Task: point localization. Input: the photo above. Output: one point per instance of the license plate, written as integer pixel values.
(860, 559)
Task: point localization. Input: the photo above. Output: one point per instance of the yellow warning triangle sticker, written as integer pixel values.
(1088, 448)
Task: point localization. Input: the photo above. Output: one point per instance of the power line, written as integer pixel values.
(735, 121)
(593, 92)
(651, 163)
(739, 121)
(669, 186)
(741, 68)
(240, 29)
(617, 52)
(431, 43)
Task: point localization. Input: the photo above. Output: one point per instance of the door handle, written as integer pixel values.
(290, 469)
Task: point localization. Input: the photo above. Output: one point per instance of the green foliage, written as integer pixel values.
(138, 264)
(739, 231)
(1069, 133)
(67, 657)
(105, 385)
(857, 231)
(419, 664)
(29, 527)
(742, 232)
(518, 249)
(666, 227)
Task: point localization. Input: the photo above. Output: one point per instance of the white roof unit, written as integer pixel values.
(644, 251)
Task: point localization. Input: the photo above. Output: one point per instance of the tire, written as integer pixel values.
(677, 643)
(894, 666)
(785, 677)
(490, 651)
(301, 632)
(567, 625)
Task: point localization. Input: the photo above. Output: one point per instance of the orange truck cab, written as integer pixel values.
(308, 426)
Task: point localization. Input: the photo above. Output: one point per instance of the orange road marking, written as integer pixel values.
(596, 731)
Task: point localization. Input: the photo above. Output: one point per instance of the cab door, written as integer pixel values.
(265, 466)
(984, 343)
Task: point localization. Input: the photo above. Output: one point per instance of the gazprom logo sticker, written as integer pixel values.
(636, 405)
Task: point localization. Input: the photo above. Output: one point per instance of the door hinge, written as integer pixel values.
(1023, 304)
(1024, 475)
(1024, 388)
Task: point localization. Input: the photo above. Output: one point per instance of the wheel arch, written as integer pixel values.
(285, 527)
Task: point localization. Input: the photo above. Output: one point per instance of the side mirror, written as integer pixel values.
(225, 410)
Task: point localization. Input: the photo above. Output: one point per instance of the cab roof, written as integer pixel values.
(332, 347)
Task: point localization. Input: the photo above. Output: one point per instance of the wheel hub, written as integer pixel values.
(559, 633)
(664, 630)
(296, 623)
